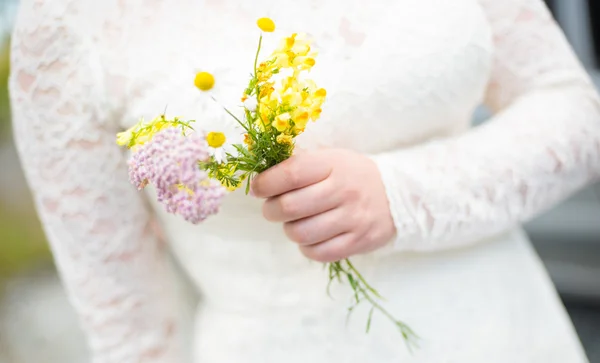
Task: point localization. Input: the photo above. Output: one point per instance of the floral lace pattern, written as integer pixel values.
(542, 144)
(112, 263)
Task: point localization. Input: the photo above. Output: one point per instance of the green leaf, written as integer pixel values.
(350, 309)
(237, 119)
(247, 186)
(362, 279)
(369, 319)
(354, 285)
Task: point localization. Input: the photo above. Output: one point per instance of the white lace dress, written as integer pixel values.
(403, 78)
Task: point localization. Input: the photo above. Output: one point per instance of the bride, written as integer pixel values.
(391, 176)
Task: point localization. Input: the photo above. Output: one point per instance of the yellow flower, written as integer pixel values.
(288, 102)
(266, 24)
(123, 138)
(143, 131)
(265, 70)
(298, 44)
(284, 139)
(290, 48)
(321, 92)
(301, 118)
(289, 41)
(291, 98)
(282, 60)
(315, 114)
(304, 62)
(266, 89)
(282, 122)
(204, 81)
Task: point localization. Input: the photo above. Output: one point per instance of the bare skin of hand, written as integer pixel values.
(332, 203)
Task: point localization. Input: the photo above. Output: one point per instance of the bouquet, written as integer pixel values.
(192, 170)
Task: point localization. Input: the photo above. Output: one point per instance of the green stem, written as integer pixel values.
(256, 57)
(406, 331)
(362, 279)
(256, 87)
(362, 290)
(237, 119)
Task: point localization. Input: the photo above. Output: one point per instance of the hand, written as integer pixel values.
(331, 202)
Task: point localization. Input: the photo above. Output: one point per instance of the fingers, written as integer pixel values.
(301, 203)
(318, 228)
(296, 172)
(339, 247)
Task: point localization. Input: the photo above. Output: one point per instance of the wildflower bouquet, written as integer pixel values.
(192, 172)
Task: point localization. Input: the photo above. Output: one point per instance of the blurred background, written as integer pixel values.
(38, 325)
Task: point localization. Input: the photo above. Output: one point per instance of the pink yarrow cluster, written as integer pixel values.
(170, 162)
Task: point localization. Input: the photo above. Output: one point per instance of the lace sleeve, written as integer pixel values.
(112, 265)
(542, 144)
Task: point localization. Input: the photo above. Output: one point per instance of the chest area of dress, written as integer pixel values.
(396, 72)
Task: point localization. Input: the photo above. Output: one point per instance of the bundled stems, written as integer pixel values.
(363, 291)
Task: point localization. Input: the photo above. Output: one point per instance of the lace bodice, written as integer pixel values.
(403, 78)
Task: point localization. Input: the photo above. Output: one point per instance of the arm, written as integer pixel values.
(112, 265)
(542, 144)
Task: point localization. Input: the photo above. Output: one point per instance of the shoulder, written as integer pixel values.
(46, 24)
(53, 55)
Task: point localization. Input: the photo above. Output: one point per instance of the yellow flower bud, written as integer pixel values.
(321, 92)
(204, 81)
(266, 24)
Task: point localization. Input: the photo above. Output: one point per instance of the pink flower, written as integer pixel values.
(169, 162)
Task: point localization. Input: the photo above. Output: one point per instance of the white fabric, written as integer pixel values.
(403, 78)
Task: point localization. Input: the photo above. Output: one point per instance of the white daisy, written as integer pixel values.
(216, 77)
(213, 82)
(221, 140)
